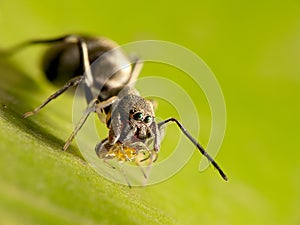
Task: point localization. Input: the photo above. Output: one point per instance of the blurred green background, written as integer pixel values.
(253, 48)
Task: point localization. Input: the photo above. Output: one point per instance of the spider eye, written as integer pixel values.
(138, 116)
(148, 119)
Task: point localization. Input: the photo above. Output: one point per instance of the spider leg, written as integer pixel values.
(196, 143)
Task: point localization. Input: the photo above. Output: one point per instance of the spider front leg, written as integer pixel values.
(196, 143)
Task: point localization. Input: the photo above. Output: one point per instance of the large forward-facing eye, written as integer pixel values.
(138, 116)
(148, 119)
